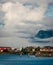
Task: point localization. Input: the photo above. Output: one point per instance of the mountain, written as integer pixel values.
(44, 34)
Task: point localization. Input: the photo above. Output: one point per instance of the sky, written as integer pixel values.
(20, 20)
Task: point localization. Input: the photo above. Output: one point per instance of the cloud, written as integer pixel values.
(16, 13)
(19, 22)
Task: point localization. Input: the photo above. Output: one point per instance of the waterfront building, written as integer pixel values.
(4, 48)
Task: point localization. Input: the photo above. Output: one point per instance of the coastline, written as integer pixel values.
(46, 51)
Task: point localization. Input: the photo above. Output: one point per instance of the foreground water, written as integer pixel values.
(25, 60)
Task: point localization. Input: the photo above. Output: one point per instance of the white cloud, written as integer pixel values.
(19, 18)
(16, 13)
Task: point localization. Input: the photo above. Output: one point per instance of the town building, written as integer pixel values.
(4, 48)
(47, 49)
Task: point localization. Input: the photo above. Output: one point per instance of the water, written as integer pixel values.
(25, 60)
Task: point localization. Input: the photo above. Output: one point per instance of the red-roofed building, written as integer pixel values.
(4, 48)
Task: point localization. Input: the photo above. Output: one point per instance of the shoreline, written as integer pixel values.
(26, 55)
(46, 51)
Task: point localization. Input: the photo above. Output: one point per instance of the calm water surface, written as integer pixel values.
(25, 60)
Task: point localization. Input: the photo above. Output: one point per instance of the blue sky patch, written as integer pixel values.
(50, 10)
